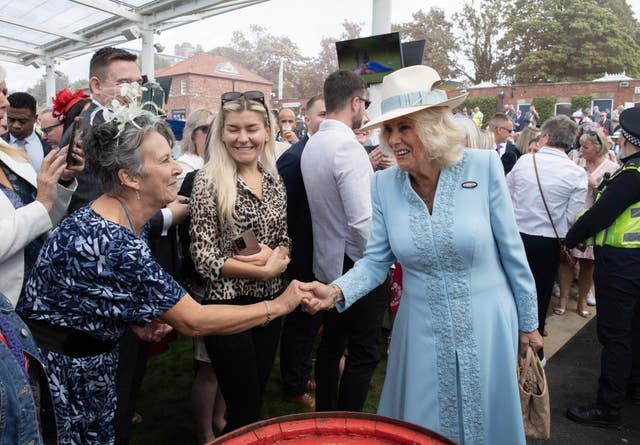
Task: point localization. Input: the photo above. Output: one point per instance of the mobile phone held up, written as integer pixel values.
(153, 93)
(246, 243)
(76, 134)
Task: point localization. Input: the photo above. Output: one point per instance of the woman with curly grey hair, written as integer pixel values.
(96, 276)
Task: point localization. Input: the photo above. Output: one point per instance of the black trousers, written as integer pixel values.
(543, 256)
(242, 362)
(358, 330)
(132, 365)
(617, 282)
(296, 345)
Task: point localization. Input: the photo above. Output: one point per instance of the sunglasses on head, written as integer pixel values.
(235, 95)
(594, 133)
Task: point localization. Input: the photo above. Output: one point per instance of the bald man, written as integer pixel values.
(287, 126)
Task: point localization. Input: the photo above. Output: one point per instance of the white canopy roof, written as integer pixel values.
(42, 30)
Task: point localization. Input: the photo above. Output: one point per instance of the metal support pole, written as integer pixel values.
(147, 62)
(50, 76)
(381, 18)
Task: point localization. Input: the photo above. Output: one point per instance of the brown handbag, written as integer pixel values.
(565, 253)
(534, 396)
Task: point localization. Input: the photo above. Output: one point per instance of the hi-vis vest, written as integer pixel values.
(625, 230)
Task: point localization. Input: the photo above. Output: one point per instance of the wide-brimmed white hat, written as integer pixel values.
(410, 90)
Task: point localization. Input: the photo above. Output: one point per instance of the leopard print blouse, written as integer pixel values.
(211, 246)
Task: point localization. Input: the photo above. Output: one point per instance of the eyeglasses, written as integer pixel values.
(367, 102)
(202, 128)
(235, 95)
(510, 130)
(48, 129)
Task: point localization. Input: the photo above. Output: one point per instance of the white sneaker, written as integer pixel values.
(591, 299)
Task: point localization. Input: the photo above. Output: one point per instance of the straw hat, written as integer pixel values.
(410, 90)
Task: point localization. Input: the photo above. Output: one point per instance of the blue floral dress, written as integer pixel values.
(98, 277)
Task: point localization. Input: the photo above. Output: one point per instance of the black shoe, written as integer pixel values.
(594, 415)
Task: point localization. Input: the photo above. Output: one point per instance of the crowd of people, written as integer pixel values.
(259, 237)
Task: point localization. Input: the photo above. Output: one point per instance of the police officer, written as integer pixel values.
(613, 226)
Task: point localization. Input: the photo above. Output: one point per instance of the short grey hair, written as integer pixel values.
(562, 131)
(106, 152)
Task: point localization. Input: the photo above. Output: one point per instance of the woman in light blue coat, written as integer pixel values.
(468, 298)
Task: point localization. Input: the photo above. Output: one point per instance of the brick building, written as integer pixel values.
(608, 91)
(199, 81)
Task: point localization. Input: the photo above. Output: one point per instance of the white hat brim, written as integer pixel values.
(399, 112)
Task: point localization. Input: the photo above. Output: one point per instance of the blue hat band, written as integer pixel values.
(413, 99)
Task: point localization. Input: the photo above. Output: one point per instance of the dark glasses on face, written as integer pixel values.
(202, 128)
(367, 102)
(235, 95)
(48, 129)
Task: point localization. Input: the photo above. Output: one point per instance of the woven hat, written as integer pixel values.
(410, 90)
(630, 125)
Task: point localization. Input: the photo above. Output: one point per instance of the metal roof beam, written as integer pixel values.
(22, 49)
(110, 8)
(7, 58)
(186, 19)
(41, 28)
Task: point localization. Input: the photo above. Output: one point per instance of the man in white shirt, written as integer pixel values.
(337, 175)
(21, 119)
(564, 186)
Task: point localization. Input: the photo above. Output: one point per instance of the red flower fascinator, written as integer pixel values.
(65, 99)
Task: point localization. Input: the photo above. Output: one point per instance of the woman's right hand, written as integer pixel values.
(276, 264)
(291, 297)
(47, 180)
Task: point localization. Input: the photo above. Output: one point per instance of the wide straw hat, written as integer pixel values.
(410, 90)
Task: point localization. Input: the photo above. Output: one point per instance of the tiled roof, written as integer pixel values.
(204, 64)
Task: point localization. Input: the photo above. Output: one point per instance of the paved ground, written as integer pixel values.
(572, 373)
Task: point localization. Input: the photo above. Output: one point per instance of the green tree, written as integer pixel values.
(482, 23)
(317, 69)
(441, 44)
(570, 40)
(39, 90)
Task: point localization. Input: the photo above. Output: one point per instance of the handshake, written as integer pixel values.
(312, 297)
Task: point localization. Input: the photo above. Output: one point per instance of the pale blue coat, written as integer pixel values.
(467, 291)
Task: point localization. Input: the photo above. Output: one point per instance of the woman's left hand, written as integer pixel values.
(257, 259)
(153, 332)
(533, 339)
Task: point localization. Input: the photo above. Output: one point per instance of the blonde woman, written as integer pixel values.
(239, 190)
(471, 131)
(527, 136)
(594, 150)
(194, 138)
(463, 315)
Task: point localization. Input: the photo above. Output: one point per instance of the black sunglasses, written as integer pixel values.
(367, 102)
(235, 95)
(594, 133)
(202, 128)
(48, 129)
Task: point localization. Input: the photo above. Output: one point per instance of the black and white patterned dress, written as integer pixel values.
(95, 276)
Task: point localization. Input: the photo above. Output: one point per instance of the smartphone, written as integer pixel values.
(76, 133)
(246, 243)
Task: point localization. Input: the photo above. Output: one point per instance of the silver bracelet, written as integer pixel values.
(268, 314)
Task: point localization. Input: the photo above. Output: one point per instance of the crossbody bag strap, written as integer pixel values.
(535, 167)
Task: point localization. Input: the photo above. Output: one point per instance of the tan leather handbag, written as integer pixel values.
(534, 396)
